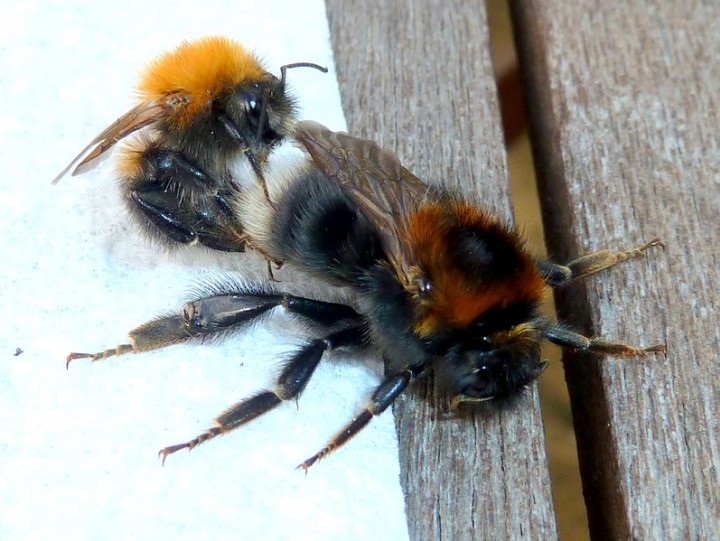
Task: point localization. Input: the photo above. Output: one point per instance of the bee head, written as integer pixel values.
(482, 369)
(477, 299)
(215, 93)
(492, 365)
(256, 114)
(260, 113)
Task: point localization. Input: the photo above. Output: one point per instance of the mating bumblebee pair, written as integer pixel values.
(438, 283)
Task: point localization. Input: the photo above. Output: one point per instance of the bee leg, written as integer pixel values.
(261, 178)
(291, 382)
(200, 318)
(271, 274)
(269, 259)
(561, 336)
(384, 395)
(119, 350)
(175, 169)
(186, 223)
(234, 132)
(558, 275)
(182, 202)
(204, 317)
(324, 313)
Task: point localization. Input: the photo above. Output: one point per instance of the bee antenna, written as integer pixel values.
(286, 67)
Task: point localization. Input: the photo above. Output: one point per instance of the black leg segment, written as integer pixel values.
(182, 202)
(291, 382)
(384, 395)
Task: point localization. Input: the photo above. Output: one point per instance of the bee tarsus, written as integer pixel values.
(558, 275)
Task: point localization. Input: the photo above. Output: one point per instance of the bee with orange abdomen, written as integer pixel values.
(205, 110)
(437, 284)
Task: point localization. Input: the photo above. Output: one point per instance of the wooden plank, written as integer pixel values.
(417, 77)
(624, 101)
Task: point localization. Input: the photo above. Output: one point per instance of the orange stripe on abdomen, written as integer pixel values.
(473, 262)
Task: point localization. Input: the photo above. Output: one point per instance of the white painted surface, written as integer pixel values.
(78, 449)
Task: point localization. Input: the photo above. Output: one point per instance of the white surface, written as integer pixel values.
(78, 449)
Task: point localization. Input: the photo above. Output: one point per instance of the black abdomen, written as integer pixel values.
(320, 229)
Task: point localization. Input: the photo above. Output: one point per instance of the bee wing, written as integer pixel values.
(375, 178)
(136, 118)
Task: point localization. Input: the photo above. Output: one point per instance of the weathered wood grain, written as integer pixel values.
(624, 99)
(416, 76)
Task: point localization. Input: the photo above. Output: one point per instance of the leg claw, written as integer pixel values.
(657, 348)
(167, 451)
(72, 356)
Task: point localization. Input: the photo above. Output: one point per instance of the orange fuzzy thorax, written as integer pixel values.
(457, 297)
(197, 72)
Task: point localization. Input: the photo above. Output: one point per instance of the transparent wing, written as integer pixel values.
(136, 118)
(375, 179)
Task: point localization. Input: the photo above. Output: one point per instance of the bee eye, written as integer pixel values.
(424, 286)
(481, 379)
(253, 112)
(256, 113)
(477, 383)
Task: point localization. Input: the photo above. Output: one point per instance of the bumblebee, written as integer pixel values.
(205, 110)
(438, 284)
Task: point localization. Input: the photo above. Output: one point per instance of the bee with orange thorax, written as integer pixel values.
(205, 110)
(438, 284)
